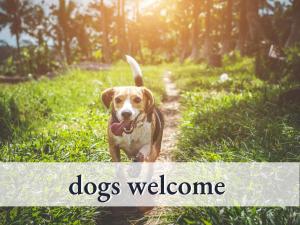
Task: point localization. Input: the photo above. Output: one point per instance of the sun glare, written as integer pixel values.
(148, 3)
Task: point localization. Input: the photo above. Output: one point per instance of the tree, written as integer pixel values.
(294, 36)
(82, 22)
(227, 39)
(195, 34)
(37, 25)
(63, 28)
(181, 20)
(12, 14)
(121, 28)
(207, 46)
(255, 30)
(105, 37)
(243, 26)
(102, 25)
(134, 30)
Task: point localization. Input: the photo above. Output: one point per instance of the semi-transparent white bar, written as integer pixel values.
(200, 184)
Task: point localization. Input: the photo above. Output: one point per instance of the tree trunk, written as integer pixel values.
(195, 38)
(122, 39)
(125, 42)
(255, 29)
(227, 39)
(105, 38)
(294, 36)
(243, 27)
(67, 49)
(134, 32)
(18, 45)
(184, 45)
(19, 70)
(64, 28)
(138, 39)
(207, 47)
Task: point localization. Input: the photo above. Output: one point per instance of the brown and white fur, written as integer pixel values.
(134, 103)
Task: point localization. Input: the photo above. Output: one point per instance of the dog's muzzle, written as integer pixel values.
(125, 126)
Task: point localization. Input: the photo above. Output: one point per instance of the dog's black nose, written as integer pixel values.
(126, 114)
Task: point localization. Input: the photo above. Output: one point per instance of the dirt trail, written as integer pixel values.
(170, 109)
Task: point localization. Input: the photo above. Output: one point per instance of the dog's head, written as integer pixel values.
(128, 102)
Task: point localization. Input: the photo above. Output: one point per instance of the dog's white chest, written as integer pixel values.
(133, 142)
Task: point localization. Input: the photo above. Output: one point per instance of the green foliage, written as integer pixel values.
(14, 13)
(61, 120)
(235, 216)
(8, 67)
(97, 55)
(277, 70)
(9, 117)
(293, 63)
(199, 76)
(38, 60)
(35, 61)
(48, 215)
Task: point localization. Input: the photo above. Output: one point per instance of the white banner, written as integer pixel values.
(149, 184)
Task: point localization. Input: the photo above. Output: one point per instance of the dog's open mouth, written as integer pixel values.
(125, 126)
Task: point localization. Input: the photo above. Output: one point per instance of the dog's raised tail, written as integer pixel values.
(136, 70)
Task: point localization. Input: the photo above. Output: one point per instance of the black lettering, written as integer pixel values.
(188, 187)
(74, 184)
(152, 185)
(169, 188)
(162, 184)
(137, 187)
(202, 188)
(115, 188)
(219, 185)
(103, 187)
(94, 188)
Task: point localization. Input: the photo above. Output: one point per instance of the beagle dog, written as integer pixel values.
(136, 124)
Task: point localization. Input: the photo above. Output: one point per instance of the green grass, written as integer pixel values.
(239, 120)
(61, 120)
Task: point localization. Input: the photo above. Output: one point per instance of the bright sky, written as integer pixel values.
(6, 36)
(5, 33)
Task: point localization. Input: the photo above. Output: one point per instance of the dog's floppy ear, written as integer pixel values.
(107, 96)
(149, 100)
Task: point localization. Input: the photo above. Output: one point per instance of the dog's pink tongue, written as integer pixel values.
(118, 128)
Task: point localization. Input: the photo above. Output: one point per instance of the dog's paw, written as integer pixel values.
(139, 157)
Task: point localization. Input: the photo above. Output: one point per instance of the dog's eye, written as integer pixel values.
(118, 100)
(137, 100)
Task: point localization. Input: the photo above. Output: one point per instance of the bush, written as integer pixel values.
(38, 60)
(293, 63)
(276, 70)
(8, 68)
(35, 60)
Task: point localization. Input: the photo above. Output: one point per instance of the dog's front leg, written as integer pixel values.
(143, 153)
(153, 154)
(114, 153)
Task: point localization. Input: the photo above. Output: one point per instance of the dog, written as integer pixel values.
(136, 124)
